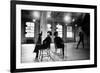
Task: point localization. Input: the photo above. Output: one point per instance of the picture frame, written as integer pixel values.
(15, 37)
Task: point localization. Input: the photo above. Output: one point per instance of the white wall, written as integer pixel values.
(5, 36)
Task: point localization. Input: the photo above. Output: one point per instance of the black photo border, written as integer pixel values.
(13, 35)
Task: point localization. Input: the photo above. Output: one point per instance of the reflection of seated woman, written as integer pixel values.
(38, 45)
(58, 42)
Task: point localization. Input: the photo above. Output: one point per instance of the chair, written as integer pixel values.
(58, 46)
(42, 54)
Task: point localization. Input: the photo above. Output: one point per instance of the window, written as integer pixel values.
(48, 27)
(59, 30)
(29, 29)
(69, 32)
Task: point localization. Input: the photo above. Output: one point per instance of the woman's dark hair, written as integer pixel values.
(56, 33)
(40, 34)
(49, 32)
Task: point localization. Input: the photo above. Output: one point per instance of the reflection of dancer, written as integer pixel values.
(59, 43)
(81, 37)
(38, 45)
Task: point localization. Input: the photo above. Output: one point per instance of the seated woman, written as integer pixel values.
(59, 42)
(45, 45)
(47, 41)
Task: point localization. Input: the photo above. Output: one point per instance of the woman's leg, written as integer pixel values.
(63, 50)
(37, 54)
(78, 43)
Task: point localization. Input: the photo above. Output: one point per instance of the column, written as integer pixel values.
(43, 24)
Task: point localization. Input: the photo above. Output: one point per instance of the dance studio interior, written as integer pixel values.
(66, 24)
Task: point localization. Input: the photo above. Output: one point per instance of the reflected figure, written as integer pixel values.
(81, 38)
(38, 45)
(59, 43)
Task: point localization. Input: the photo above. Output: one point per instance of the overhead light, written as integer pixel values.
(36, 14)
(66, 24)
(48, 14)
(73, 20)
(67, 19)
(34, 20)
(75, 25)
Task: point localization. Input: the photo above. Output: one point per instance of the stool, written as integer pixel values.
(56, 50)
(41, 53)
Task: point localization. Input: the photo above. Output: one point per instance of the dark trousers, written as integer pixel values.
(81, 40)
(37, 48)
(37, 54)
(63, 49)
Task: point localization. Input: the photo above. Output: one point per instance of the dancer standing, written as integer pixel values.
(81, 38)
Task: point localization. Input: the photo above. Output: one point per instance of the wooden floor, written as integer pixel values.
(70, 51)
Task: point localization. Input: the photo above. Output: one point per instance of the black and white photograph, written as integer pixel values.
(49, 35)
